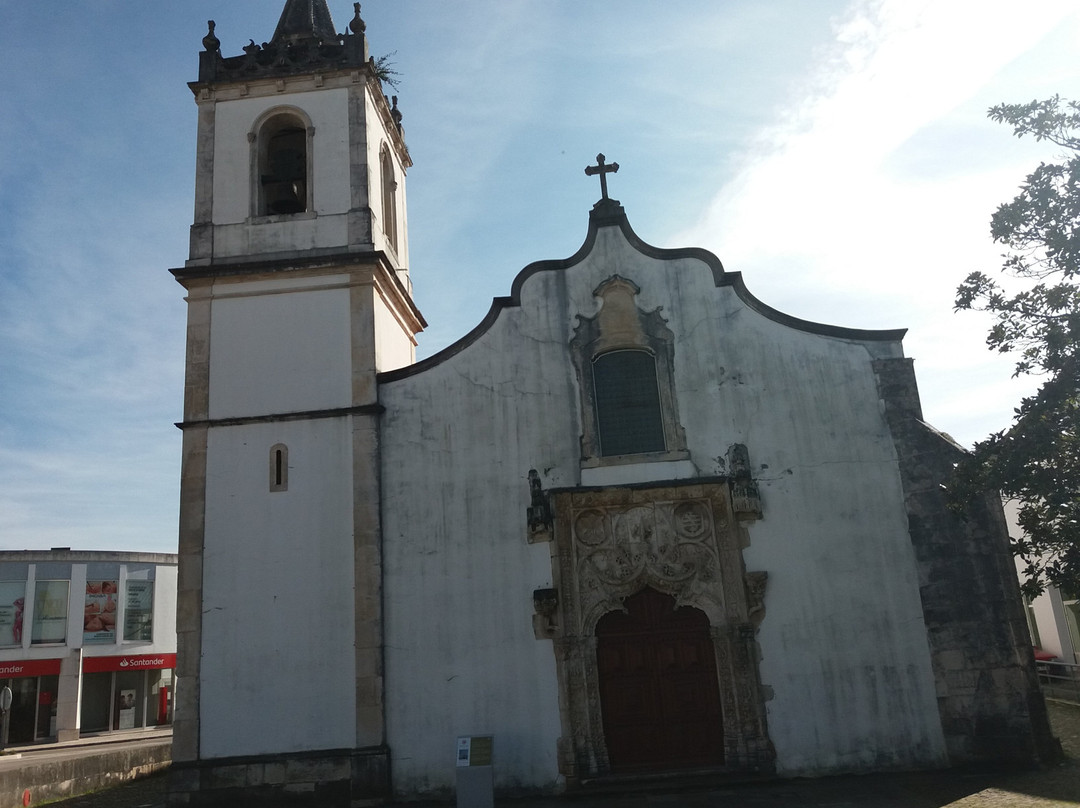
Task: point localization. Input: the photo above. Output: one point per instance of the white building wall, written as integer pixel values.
(164, 609)
(377, 137)
(843, 641)
(1048, 609)
(394, 347)
(164, 617)
(278, 592)
(328, 112)
(273, 352)
(237, 234)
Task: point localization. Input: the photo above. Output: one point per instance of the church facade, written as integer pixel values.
(635, 522)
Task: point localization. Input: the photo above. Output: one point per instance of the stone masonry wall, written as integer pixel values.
(989, 699)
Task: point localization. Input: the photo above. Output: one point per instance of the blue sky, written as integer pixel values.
(837, 153)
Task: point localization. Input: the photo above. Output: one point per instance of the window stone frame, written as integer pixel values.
(258, 138)
(621, 325)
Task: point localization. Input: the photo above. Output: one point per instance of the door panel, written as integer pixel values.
(659, 693)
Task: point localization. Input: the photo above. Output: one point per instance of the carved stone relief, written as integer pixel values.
(683, 540)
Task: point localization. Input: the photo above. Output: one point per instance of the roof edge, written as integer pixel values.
(609, 213)
(735, 281)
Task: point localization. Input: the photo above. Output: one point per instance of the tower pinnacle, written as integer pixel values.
(305, 20)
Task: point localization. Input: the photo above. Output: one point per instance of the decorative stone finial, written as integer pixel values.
(357, 25)
(211, 42)
(395, 113)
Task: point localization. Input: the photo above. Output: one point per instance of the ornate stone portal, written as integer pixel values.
(680, 539)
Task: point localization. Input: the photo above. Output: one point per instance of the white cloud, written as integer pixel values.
(820, 210)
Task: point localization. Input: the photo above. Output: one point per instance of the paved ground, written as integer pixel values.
(1056, 787)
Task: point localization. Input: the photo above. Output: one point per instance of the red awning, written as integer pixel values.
(29, 667)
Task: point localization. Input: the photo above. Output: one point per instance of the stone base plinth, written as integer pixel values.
(334, 778)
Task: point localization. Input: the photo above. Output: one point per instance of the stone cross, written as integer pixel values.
(603, 170)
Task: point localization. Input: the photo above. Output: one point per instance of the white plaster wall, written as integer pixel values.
(394, 347)
(377, 136)
(281, 237)
(843, 641)
(1048, 609)
(165, 578)
(461, 656)
(326, 226)
(277, 353)
(278, 592)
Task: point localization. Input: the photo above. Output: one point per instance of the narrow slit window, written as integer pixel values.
(389, 196)
(628, 414)
(279, 467)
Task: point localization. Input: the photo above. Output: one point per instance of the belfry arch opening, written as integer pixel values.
(282, 166)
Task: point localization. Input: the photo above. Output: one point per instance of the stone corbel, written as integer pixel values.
(545, 618)
(538, 514)
(745, 498)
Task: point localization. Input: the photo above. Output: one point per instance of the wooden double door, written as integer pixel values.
(659, 694)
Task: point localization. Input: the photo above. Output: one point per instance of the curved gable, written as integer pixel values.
(609, 213)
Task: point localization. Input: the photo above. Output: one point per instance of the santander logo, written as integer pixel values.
(8, 669)
(142, 662)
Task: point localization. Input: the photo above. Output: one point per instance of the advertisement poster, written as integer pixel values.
(12, 605)
(139, 611)
(126, 704)
(50, 612)
(99, 612)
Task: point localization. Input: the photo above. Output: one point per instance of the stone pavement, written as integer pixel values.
(1055, 787)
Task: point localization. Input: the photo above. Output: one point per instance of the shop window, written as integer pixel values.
(48, 688)
(628, 419)
(129, 700)
(50, 612)
(99, 612)
(139, 611)
(624, 358)
(12, 609)
(159, 706)
(279, 467)
(282, 145)
(96, 702)
(22, 719)
(389, 196)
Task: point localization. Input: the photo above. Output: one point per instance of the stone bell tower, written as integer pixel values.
(298, 293)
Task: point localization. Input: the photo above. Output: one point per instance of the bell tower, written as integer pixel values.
(298, 293)
(299, 151)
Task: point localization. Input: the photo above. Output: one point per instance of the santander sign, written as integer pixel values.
(100, 664)
(143, 662)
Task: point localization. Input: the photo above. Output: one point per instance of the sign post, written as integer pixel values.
(5, 711)
(475, 774)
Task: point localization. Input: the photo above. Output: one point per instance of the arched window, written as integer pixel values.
(389, 196)
(283, 166)
(625, 359)
(628, 412)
